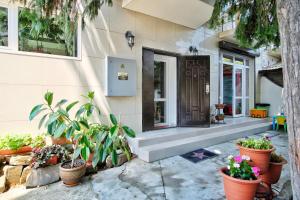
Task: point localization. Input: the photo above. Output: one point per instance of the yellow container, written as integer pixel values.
(258, 113)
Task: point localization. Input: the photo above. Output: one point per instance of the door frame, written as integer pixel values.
(234, 67)
(163, 53)
(178, 69)
(170, 92)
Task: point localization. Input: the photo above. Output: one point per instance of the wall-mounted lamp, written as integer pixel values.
(130, 38)
(193, 50)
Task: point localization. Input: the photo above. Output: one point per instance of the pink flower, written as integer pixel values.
(238, 159)
(256, 171)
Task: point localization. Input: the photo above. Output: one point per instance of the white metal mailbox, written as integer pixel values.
(120, 77)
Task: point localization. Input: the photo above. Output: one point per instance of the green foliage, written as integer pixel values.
(89, 137)
(14, 142)
(63, 15)
(239, 168)
(41, 156)
(263, 143)
(38, 141)
(258, 24)
(276, 158)
(3, 25)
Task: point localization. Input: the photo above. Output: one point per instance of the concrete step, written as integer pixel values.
(155, 137)
(167, 148)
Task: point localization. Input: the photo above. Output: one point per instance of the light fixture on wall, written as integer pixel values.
(193, 50)
(130, 38)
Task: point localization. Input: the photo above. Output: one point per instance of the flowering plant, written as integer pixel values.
(260, 143)
(239, 168)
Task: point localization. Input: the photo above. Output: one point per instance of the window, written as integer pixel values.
(21, 32)
(3, 26)
(43, 36)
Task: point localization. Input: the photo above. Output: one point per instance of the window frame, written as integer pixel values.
(13, 39)
(9, 29)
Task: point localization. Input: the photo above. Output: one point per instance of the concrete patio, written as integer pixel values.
(173, 178)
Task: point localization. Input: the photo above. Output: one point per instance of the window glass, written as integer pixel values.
(159, 113)
(3, 26)
(239, 61)
(45, 35)
(227, 58)
(159, 79)
(227, 89)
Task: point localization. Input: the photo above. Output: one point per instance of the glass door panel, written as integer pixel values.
(227, 88)
(160, 99)
(239, 92)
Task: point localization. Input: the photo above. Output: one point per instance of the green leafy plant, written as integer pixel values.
(239, 168)
(276, 158)
(15, 141)
(41, 156)
(38, 141)
(66, 13)
(260, 143)
(87, 136)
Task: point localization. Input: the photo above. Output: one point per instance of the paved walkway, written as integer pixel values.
(173, 178)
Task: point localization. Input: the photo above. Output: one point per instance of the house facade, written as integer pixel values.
(182, 68)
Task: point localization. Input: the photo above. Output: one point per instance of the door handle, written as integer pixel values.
(207, 88)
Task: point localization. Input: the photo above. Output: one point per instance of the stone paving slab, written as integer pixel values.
(171, 179)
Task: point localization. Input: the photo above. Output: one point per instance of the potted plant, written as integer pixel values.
(259, 150)
(49, 155)
(86, 136)
(276, 164)
(51, 117)
(240, 179)
(15, 144)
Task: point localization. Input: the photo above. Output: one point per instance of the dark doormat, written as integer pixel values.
(198, 155)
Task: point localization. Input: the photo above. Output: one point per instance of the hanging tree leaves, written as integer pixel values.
(257, 24)
(66, 13)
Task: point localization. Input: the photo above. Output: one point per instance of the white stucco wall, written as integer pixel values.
(24, 79)
(272, 94)
(266, 91)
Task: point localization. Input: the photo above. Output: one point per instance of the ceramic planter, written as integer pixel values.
(273, 175)
(237, 189)
(72, 176)
(21, 150)
(259, 158)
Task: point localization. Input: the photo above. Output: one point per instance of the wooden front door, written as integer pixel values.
(194, 91)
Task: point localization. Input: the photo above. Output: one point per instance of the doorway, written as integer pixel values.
(234, 84)
(165, 91)
(175, 90)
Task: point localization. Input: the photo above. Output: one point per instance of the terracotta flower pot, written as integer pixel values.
(21, 150)
(259, 158)
(237, 189)
(71, 176)
(273, 175)
(53, 160)
(57, 141)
